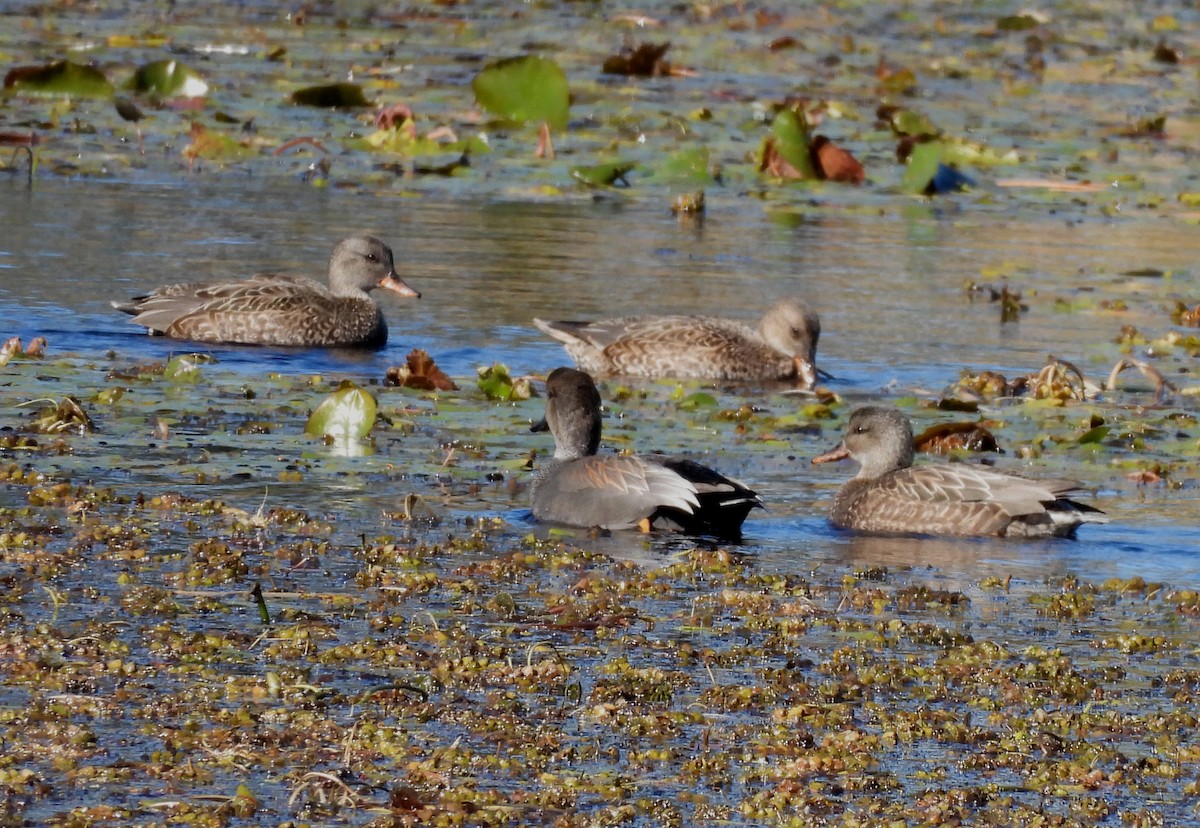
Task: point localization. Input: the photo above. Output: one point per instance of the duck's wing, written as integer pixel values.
(711, 484)
(262, 295)
(599, 333)
(961, 483)
(724, 502)
(613, 492)
(962, 500)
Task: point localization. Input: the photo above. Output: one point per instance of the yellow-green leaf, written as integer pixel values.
(524, 89)
(347, 413)
(60, 79)
(170, 79)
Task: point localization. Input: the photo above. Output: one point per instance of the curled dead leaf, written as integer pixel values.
(643, 60)
(947, 437)
(834, 163)
(420, 372)
(1183, 315)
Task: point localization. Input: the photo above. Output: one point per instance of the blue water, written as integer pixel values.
(897, 323)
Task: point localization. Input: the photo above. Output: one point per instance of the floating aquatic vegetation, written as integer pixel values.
(604, 175)
(524, 89)
(643, 60)
(168, 79)
(688, 204)
(1183, 315)
(12, 348)
(945, 438)
(497, 384)
(785, 153)
(66, 415)
(420, 371)
(343, 95)
(59, 79)
(1161, 384)
(346, 414)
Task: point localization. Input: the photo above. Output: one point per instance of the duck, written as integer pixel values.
(579, 487)
(782, 347)
(280, 310)
(890, 495)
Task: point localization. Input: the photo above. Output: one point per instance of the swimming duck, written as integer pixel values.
(891, 495)
(581, 488)
(783, 347)
(272, 309)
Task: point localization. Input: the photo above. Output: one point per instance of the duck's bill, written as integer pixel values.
(394, 283)
(806, 372)
(540, 425)
(832, 456)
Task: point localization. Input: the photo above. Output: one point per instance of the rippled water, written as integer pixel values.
(889, 286)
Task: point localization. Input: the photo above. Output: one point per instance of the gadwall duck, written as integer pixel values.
(579, 488)
(890, 495)
(270, 309)
(783, 347)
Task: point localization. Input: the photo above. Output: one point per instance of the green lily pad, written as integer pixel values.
(923, 165)
(497, 384)
(1094, 435)
(213, 145)
(524, 89)
(907, 122)
(60, 79)
(789, 143)
(331, 96)
(347, 413)
(185, 368)
(698, 399)
(1017, 23)
(687, 168)
(170, 79)
(603, 175)
(404, 142)
(970, 153)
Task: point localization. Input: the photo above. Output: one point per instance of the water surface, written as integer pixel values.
(889, 286)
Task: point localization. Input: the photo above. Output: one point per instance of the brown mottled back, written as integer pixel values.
(702, 347)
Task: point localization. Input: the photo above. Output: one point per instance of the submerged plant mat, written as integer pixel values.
(1089, 109)
(211, 618)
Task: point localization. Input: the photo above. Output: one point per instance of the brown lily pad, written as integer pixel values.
(833, 163)
(644, 60)
(420, 372)
(947, 437)
(1188, 317)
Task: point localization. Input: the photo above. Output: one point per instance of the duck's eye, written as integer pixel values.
(795, 333)
(371, 257)
(860, 429)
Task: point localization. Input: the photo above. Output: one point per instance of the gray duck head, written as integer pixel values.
(572, 414)
(792, 329)
(880, 439)
(359, 264)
